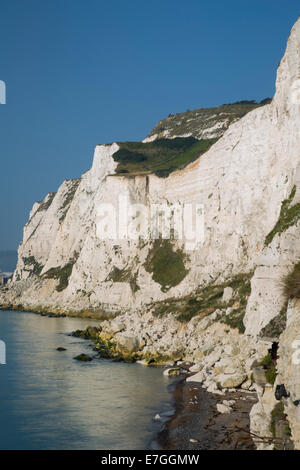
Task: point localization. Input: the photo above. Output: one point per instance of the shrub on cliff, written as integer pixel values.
(291, 283)
(166, 264)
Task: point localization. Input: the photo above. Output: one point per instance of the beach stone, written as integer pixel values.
(60, 349)
(106, 335)
(232, 350)
(246, 385)
(227, 294)
(223, 408)
(200, 377)
(227, 365)
(172, 371)
(128, 344)
(232, 381)
(196, 368)
(212, 358)
(93, 331)
(142, 362)
(83, 358)
(116, 326)
(212, 387)
(233, 369)
(198, 355)
(228, 402)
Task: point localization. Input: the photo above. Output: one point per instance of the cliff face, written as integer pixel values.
(249, 185)
(241, 182)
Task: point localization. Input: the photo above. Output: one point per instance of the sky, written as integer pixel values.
(84, 72)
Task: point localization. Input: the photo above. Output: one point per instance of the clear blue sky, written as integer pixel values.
(85, 72)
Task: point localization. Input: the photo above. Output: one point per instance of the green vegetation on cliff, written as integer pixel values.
(124, 275)
(32, 266)
(289, 216)
(69, 196)
(280, 428)
(166, 264)
(161, 157)
(276, 326)
(62, 274)
(291, 283)
(180, 139)
(269, 365)
(205, 301)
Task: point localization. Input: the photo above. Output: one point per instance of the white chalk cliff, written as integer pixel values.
(243, 181)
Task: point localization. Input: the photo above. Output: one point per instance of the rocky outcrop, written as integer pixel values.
(217, 302)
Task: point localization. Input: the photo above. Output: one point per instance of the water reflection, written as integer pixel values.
(50, 401)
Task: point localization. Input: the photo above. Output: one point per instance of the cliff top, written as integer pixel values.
(203, 123)
(180, 139)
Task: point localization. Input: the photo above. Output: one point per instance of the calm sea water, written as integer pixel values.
(50, 401)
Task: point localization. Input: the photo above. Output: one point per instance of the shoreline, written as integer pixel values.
(115, 422)
(59, 314)
(197, 425)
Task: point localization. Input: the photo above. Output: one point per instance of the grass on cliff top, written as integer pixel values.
(289, 216)
(161, 157)
(196, 121)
